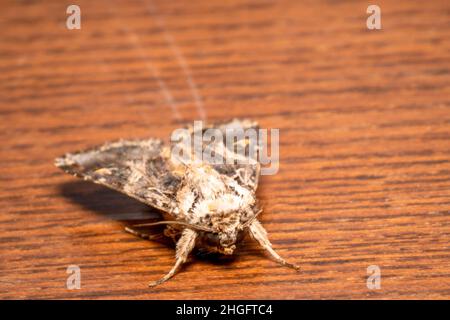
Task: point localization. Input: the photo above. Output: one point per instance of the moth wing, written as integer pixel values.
(137, 168)
(245, 173)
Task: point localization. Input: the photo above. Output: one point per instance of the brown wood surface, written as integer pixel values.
(364, 119)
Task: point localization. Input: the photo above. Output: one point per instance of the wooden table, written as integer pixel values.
(364, 119)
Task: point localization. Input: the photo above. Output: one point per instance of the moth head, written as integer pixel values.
(222, 242)
(227, 242)
(225, 233)
(227, 230)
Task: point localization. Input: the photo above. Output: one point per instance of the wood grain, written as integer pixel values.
(364, 119)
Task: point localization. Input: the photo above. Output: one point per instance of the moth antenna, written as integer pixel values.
(142, 235)
(258, 232)
(192, 226)
(184, 246)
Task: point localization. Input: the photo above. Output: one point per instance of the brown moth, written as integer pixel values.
(205, 205)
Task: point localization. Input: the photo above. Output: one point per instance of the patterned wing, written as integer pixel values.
(136, 168)
(244, 170)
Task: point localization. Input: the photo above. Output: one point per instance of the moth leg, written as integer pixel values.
(142, 234)
(184, 246)
(258, 233)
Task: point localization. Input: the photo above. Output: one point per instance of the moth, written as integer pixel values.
(206, 205)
